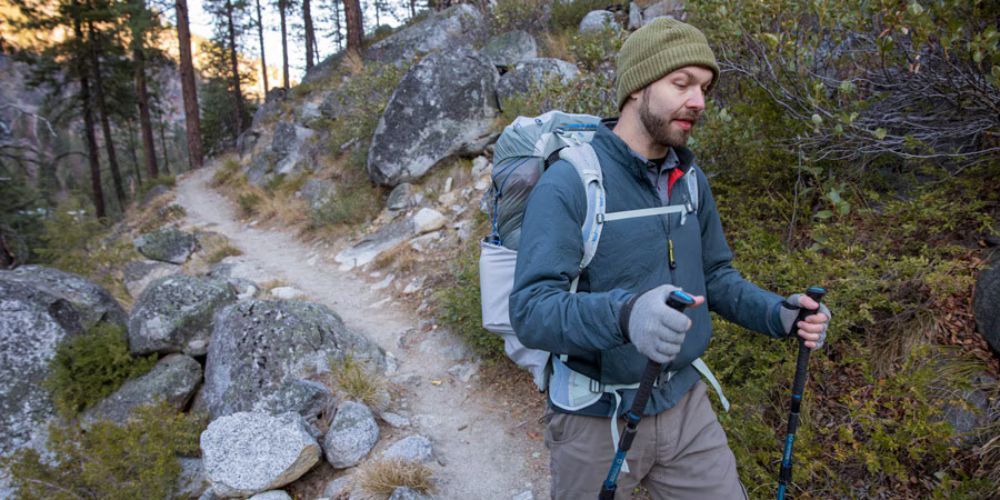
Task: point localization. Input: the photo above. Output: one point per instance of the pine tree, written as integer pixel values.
(355, 27)
(260, 37)
(188, 89)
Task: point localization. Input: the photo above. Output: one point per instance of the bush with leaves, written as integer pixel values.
(91, 366)
(136, 460)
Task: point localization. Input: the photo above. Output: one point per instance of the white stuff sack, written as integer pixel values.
(496, 280)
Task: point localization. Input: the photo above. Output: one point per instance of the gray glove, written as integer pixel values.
(656, 329)
(789, 312)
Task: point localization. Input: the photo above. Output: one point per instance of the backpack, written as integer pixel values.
(522, 153)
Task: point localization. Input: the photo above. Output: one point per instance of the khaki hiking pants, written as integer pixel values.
(681, 453)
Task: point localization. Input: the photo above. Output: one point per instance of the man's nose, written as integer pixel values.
(696, 100)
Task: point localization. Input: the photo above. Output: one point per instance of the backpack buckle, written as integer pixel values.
(600, 218)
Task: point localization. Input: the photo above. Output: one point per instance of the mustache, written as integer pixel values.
(694, 118)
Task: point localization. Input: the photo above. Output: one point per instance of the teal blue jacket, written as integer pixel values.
(632, 257)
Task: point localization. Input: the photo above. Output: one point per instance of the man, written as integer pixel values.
(604, 334)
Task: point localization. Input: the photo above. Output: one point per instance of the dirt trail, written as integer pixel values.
(483, 453)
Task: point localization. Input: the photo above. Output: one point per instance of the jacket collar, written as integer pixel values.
(634, 162)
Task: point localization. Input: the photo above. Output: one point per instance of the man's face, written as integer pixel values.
(671, 106)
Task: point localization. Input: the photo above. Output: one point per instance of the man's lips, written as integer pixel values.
(684, 124)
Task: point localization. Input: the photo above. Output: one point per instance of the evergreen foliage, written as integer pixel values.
(118, 462)
(89, 367)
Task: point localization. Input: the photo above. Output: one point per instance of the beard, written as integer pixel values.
(658, 127)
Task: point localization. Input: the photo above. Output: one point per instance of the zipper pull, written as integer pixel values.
(670, 254)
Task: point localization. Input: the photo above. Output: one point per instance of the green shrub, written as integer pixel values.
(354, 204)
(591, 92)
(135, 460)
(226, 173)
(88, 367)
(364, 96)
(510, 15)
(248, 203)
(592, 49)
(167, 180)
(567, 15)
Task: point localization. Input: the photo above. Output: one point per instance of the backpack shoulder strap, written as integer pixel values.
(584, 160)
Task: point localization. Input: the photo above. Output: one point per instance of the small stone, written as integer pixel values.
(464, 371)
(415, 285)
(480, 166)
(287, 293)
(338, 488)
(271, 495)
(427, 220)
(352, 435)
(407, 494)
(384, 283)
(395, 420)
(412, 449)
(526, 495)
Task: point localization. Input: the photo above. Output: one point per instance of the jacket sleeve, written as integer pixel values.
(727, 292)
(543, 312)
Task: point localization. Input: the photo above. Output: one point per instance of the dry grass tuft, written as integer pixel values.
(402, 258)
(226, 251)
(269, 285)
(359, 383)
(382, 477)
(557, 45)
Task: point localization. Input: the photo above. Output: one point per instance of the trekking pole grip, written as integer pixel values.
(802, 363)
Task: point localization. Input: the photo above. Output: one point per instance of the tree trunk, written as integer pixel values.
(139, 24)
(282, 7)
(378, 19)
(145, 124)
(192, 118)
(135, 156)
(337, 26)
(102, 108)
(260, 36)
(413, 9)
(234, 62)
(355, 28)
(310, 34)
(88, 117)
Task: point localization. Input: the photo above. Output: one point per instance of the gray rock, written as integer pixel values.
(192, 482)
(338, 488)
(525, 495)
(173, 380)
(352, 435)
(412, 449)
(599, 20)
(287, 293)
(246, 142)
(138, 274)
(92, 302)
(259, 346)
(634, 16)
(672, 8)
(450, 28)
(153, 193)
(175, 311)
(534, 73)
(394, 420)
(247, 453)
(986, 305)
(261, 168)
(166, 245)
(401, 197)
(317, 192)
(308, 398)
(270, 108)
(427, 220)
(32, 324)
(288, 142)
(452, 95)
(405, 493)
(464, 371)
(271, 495)
(371, 246)
(510, 48)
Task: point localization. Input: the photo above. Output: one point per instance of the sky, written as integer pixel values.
(201, 25)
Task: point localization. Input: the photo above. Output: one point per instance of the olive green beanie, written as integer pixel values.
(657, 49)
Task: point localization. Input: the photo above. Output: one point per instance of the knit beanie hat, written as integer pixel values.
(658, 48)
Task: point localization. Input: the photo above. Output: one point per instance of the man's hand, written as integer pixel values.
(813, 329)
(656, 329)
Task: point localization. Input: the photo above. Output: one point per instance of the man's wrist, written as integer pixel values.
(623, 317)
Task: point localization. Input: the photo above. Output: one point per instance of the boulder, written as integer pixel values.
(271, 107)
(401, 197)
(352, 435)
(427, 220)
(153, 193)
(453, 27)
(138, 274)
(32, 324)
(192, 482)
(599, 20)
(166, 245)
(92, 302)
(261, 168)
(248, 453)
(173, 380)
(259, 346)
(672, 8)
(308, 398)
(246, 142)
(371, 246)
(634, 16)
(174, 314)
(288, 144)
(317, 192)
(534, 73)
(444, 106)
(986, 305)
(508, 49)
(411, 449)
(271, 495)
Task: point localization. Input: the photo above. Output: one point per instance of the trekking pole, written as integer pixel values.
(801, 366)
(677, 300)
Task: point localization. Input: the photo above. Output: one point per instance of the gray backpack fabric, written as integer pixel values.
(519, 159)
